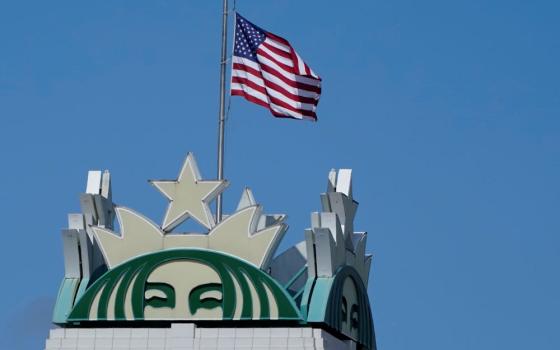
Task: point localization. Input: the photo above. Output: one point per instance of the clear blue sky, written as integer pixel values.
(448, 112)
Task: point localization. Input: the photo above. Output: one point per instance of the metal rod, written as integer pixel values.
(221, 116)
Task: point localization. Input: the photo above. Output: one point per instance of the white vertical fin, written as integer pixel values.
(94, 182)
(344, 182)
(331, 183)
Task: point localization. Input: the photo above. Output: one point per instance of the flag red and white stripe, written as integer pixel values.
(269, 72)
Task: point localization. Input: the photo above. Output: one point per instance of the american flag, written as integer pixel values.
(269, 72)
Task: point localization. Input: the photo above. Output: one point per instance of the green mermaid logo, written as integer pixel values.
(185, 284)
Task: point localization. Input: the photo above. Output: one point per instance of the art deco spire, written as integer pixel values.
(331, 240)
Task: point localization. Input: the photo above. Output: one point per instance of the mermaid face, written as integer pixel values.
(197, 293)
(350, 309)
(184, 284)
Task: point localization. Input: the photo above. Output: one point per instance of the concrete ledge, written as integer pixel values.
(186, 336)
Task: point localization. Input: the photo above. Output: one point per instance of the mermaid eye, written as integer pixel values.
(354, 316)
(159, 295)
(205, 296)
(344, 309)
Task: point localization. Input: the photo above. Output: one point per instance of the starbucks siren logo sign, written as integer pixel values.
(147, 272)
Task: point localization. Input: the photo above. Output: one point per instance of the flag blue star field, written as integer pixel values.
(269, 72)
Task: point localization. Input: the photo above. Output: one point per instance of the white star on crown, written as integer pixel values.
(189, 196)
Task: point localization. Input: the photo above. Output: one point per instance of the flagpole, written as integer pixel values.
(221, 115)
